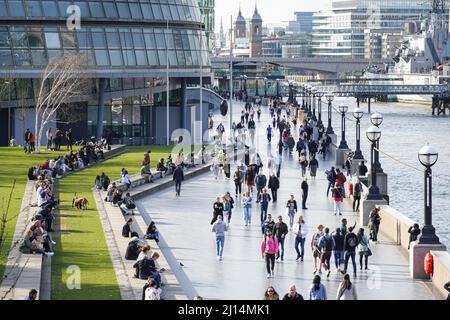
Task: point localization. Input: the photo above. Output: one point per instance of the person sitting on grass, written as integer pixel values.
(126, 230)
(152, 232)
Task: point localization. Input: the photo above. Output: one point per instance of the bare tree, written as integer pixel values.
(62, 80)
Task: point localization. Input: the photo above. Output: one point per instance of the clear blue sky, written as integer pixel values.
(273, 12)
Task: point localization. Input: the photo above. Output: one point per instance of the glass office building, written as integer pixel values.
(339, 30)
(126, 45)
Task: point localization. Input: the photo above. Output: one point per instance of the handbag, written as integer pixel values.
(369, 252)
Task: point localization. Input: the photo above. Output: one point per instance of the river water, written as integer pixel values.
(405, 129)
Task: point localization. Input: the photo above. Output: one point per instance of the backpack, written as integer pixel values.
(328, 244)
(342, 178)
(352, 243)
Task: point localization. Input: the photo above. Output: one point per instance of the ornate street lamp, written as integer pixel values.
(428, 157)
(343, 109)
(377, 119)
(330, 97)
(373, 133)
(303, 86)
(309, 90)
(314, 94)
(319, 95)
(358, 114)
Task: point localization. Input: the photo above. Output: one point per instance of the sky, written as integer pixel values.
(273, 12)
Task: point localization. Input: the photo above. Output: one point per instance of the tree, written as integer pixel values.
(61, 82)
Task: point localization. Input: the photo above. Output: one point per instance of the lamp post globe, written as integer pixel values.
(428, 156)
(373, 133)
(358, 113)
(376, 119)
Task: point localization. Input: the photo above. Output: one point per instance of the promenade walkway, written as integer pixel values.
(184, 223)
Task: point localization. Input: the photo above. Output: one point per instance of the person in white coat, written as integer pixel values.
(346, 290)
(153, 292)
(300, 231)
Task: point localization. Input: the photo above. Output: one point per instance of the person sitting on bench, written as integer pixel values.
(128, 204)
(126, 230)
(146, 173)
(117, 197)
(161, 167)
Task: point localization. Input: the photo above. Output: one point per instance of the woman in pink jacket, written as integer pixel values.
(269, 249)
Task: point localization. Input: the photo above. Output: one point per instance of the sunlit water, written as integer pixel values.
(405, 129)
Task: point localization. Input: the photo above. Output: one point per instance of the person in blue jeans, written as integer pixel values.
(350, 244)
(219, 227)
(264, 199)
(247, 205)
(280, 230)
(300, 230)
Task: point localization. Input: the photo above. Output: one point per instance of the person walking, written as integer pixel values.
(269, 248)
(49, 137)
(300, 231)
(278, 160)
(374, 223)
(346, 290)
(228, 205)
(363, 249)
(326, 245)
(178, 177)
(261, 182)
(350, 244)
(414, 232)
(348, 166)
(291, 210)
(247, 206)
(338, 199)
(219, 227)
(313, 166)
(217, 209)
(267, 224)
(317, 291)
(27, 138)
(338, 249)
(331, 177)
(357, 190)
(250, 178)
(304, 188)
(238, 178)
(303, 163)
(271, 294)
(293, 294)
(362, 169)
(264, 199)
(269, 132)
(69, 138)
(315, 247)
(280, 229)
(274, 185)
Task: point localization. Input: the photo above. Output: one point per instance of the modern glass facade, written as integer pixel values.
(339, 30)
(208, 18)
(126, 43)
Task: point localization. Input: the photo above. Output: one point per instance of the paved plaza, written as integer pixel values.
(184, 223)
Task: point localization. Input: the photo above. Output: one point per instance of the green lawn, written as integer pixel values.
(14, 164)
(81, 241)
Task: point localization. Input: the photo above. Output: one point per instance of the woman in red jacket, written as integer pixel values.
(269, 249)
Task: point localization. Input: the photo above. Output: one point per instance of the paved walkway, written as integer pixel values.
(184, 223)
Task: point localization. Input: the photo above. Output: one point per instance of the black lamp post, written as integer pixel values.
(309, 96)
(343, 109)
(377, 120)
(358, 114)
(265, 87)
(330, 97)
(314, 95)
(303, 95)
(428, 157)
(319, 95)
(373, 134)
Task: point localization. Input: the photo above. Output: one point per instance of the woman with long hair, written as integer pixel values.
(346, 290)
(269, 249)
(363, 248)
(271, 294)
(317, 291)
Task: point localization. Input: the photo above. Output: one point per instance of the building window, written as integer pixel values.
(124, 11)
(52, 40)
(110, 10)
(96, 9)
(16, 9)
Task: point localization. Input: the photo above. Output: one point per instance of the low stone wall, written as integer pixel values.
(395, 225)
(441, 271)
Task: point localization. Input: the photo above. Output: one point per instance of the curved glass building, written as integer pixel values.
(126, 45)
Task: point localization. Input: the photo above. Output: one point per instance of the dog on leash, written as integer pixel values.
(81, 203)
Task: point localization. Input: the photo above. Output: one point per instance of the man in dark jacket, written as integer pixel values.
(331, 177)
(293, 294)
(304, 188)
(132, 252)
(274, 185)
(218, 210)
(126, 230)
(69, 138)
(267, 224)
(264, 199)
(280, 230)
(362, 169)
(261, 182)
(27, 137)
(350, 244)
(178, 177)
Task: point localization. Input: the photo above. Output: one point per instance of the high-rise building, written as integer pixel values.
(208, 17)
(339, 30)
(302, 24)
